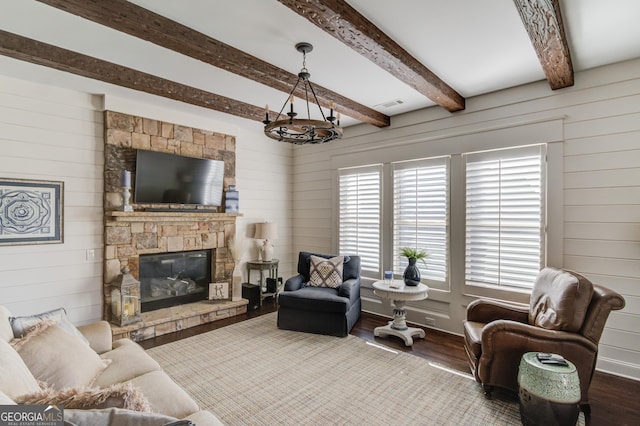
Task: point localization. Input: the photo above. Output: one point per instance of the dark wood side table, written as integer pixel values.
(264, 265)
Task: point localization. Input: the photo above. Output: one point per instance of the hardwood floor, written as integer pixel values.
(614, 400)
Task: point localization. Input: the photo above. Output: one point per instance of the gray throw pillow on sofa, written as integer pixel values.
(116, 417)
(22, 325)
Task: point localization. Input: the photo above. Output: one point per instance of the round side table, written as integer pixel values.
(548, 394)
(399, 294)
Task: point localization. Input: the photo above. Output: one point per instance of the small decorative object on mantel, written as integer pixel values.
(125, 182)
(232, 200)
(412, 273)
(125, 299)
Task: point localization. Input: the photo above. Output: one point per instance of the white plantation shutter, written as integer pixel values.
(421, 215)
(359, 215)
(505, 219)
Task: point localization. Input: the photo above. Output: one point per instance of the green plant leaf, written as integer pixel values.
(414, 253)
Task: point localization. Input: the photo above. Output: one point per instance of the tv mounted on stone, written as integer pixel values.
(176, 179)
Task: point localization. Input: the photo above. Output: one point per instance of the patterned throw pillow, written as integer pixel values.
(326, 272)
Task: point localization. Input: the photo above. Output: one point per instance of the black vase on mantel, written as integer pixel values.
(412, 273)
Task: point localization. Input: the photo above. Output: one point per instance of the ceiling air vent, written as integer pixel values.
(390, 104)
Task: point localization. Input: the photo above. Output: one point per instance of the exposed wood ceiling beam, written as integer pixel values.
(346, 24)
(543, 21)
(40, 53)
(142, 23)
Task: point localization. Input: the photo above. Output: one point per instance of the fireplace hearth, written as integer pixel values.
(171, 279)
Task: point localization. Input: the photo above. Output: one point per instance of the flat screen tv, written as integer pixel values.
(175, 179)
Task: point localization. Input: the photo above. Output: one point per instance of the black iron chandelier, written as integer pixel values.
(302, 131)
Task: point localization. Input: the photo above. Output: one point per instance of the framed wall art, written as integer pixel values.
(218, 291)
(31, 211)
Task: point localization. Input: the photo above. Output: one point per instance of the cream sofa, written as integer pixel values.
(61, 356)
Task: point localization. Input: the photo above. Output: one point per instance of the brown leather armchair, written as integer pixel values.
(566, 316)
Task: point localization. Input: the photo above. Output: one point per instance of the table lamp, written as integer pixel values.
(266, 231)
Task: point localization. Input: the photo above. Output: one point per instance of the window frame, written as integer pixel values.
(351, 171)
(479, 287)
(396, 260)
(366, 148)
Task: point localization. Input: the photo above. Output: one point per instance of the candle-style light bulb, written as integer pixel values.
(266, 112)
(125, 179)
(125, 182)
(291, 114)
(338, 119)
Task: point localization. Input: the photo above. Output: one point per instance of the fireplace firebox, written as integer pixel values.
(171, 279)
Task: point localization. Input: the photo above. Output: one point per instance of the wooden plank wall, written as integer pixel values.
(54, 134)
(601, 237)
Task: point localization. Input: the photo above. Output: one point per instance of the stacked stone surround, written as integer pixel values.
(124, 134)
(130, 234)
(127, 235)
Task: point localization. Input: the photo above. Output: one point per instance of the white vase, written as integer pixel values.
(267, 251)
(236, 288)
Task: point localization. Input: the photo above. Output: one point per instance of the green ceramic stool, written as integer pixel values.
(548, 394)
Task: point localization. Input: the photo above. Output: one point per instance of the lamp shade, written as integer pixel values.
(266, 231)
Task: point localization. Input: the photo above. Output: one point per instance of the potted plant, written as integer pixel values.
(412, 273)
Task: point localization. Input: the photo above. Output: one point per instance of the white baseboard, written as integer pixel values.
(618, 368)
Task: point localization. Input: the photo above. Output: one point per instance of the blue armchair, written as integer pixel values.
(321, 310)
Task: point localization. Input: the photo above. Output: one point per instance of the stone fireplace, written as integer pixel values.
(176, 229)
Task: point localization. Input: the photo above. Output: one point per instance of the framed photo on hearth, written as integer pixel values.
(31, 211)
(219, 291)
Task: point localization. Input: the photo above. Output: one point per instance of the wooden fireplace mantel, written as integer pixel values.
(177, 216)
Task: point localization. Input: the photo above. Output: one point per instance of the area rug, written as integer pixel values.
(251, 373)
